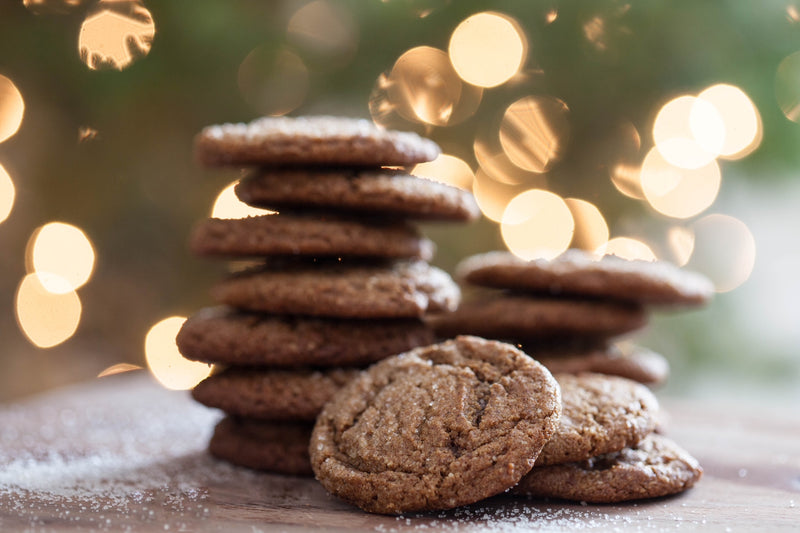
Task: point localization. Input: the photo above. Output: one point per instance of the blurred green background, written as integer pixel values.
(109, 150)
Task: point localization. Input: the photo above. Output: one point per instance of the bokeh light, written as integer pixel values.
(787, 86)
(628, 248)
(492, 196)
(534, 132)
(325, 29)
(64, 250)
(487, 49)
(228, 205)
(12, 108)
(165, 361)
(273, 83)
(678, 192)
(724, 250)
(624, 164)
(52, 7)
(47, 318)
(741, 119)
(681, 243)
(7, 194)
(493, 160)
(115, 33)
(118, 368)
(689, 132)
(537, 224)
(551, 15)
(447, 169)
(591, 229)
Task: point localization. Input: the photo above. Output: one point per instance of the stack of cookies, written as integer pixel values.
(341, 278)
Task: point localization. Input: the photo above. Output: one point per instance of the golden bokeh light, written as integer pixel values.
(551, 15)
(787, 86)
(792, 14)
(689, 132)
(591, 229)
(741, 119)
(537, 224)
(627, 179)
(678, 192)
(7, 194)
(51, 7)
(493, 196)
(325, 29)
(725, 251)
(487, 49)
(534, 132)
(624, 161)
(61, 249)
(118, 368)
(628, 248)
(594, 30)
(681, 243)
(494, 161)
(47, 318)
(447, 169)
(273, 83)
(228, 205)
(12, 108)
(165, 361)
(115, 33)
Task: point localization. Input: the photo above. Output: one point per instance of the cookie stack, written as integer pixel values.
(341, 278)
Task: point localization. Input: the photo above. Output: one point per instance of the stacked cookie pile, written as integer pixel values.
(342, 278)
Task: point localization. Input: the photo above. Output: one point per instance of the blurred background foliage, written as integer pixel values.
(108, 148)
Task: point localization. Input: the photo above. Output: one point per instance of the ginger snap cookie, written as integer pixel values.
(280, 447)
(227, 336)
(579, 273)
(436, 427)
(655, 467)
(599, 414)
(311, 140)
(628, 361)
(310, 235)
(272, 394)
(369, 191)
(513, 316)
(405, 289)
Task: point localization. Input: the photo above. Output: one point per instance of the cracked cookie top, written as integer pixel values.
(436, 427)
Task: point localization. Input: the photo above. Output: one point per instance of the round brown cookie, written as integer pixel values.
(655, 467)
(280, 447)
(406, 289)
(512, 316)
(632, 362)
(383, 191)
(576, 272)
(312, 235)
(226, 336)
(272, 394)
(434, 428)
(599, 414)
(312, 140)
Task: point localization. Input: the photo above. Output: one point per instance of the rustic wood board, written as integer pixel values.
(123, 454)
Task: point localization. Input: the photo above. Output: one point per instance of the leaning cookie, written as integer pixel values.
(655, 467)
(631, 362)
(437, 427)
(313, 140)
(280, 447)
(406, 289)
(382, 191)
(579, 273)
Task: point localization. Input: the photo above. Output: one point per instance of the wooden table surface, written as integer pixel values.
(123, 454)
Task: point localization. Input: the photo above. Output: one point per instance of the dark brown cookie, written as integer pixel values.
(655, 467)
(280, 447)
(527, 317)
(599, 414)
(402, 290)
(437, 427)
(313, 140)
(632, 362)
(226, 336)
(310, 235)
(272, 394)
(578, 273)
(383, 191)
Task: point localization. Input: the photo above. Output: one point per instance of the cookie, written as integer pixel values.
(280, 447)
(309, 235)
(226, 336)
(632, 362)
(383, 191)
(406, 289)
(434, 428)
(578, 273)
(511, 316)
(312, 140)
(272, 394)
(599, 414)
(655, 467)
